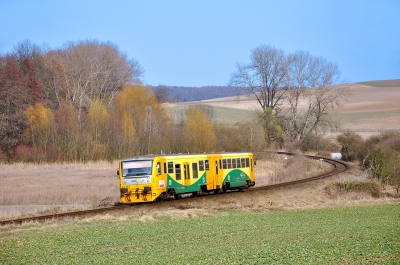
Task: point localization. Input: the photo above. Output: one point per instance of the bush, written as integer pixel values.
(384, 164)
(25, 153)
(353, 146)
(30, 154)
(370, 187)
(389, 140)
(314, 142)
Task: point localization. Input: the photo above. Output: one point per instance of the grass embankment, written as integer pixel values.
(351, 235)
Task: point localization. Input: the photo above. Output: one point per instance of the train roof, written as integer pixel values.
(152, 156)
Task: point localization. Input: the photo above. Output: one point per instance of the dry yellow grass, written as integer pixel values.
(29, 189)
(282, 168)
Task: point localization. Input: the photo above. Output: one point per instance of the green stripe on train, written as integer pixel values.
(236, 178)
(179, 188)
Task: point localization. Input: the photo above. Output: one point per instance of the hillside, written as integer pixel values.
(382, 83)
(369, 108)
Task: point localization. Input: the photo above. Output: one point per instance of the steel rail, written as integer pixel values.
(338, 167)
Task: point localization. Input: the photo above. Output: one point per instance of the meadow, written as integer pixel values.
(30, 189)
(346, 235)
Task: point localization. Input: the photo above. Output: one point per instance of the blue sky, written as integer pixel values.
(197, 43)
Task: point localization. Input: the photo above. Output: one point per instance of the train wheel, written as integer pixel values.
(176, 196)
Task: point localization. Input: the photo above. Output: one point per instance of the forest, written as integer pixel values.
(85, 101)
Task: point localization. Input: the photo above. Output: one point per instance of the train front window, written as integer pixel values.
(136, 168)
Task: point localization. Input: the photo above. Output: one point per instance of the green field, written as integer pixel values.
(359, 117)
(351, 235)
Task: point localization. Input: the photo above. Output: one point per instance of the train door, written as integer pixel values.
(217, 175)
(186, 170)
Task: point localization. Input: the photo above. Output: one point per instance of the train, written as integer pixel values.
(166, 176)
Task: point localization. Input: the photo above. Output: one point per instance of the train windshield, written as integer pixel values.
(136, 168)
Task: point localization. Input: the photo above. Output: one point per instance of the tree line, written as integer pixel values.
(37, 82)
(85, 101)
(165, 93)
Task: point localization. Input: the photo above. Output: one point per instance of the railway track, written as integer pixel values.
(338, 167)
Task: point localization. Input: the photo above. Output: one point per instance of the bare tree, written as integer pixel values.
(306, 84)
(310, 82)
(93, 70)
(264, 76)
(162, 93)
(43, 61)
(26, 49)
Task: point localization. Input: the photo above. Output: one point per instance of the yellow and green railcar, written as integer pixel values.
(156, 177)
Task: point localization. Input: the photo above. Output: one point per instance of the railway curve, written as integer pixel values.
(338, 167)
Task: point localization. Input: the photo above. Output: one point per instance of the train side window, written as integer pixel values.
(201, 165)
(238, 163)
(165, 168)
(194, 169)
(220, 164)
(247, 162)
(229, 163)
(243, 162)
(225, 166)
(234, 163)
(178, 172)
(171, 167)
(251, 164)
(207, 165)
(158, 168)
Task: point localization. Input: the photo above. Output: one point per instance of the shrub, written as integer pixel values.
(384, 164)
(389, 140)
(25, 153)
(314, 142)
(353, 146)
(370, 187)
